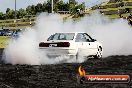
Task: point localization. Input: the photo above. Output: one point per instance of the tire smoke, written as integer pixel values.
(115, 35)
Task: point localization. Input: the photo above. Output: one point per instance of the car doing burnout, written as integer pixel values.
(71, 44)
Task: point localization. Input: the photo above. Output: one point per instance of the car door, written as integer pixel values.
(93, 47)
(86, 45)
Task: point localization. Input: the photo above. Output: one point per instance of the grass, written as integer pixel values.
(19, 24)
(128, 1)
(127, 6)
(113, 3)
(108, 9)
(3, 41)
(17, 27)
(117, 16)
(12, 20)
(113, 16)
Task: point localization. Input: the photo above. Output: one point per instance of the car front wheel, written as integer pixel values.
(99, 53)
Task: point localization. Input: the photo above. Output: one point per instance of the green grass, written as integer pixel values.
(3, 41)
(12, 20)
(128, 1)
(108, 9)
(16, 23)
(17, 27)
(117, 16)
(113, 3)
(113, 16)
(127, 6)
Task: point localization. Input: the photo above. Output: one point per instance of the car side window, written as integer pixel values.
(55, 37)
(80, 38)
(88, 38)
(62, 37)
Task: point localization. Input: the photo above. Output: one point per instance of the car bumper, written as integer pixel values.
(59, 52)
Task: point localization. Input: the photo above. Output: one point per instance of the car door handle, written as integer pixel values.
(89, 43)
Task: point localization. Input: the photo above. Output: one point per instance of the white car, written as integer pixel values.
(72, 44)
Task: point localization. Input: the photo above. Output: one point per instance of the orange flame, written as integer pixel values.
(81, 71)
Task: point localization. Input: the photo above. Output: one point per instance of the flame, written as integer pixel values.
(81, 71)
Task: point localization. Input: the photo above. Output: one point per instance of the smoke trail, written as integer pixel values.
(115, 35)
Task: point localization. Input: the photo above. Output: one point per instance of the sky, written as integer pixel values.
(4, 4)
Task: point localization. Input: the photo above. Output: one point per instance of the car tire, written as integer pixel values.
(99, 53)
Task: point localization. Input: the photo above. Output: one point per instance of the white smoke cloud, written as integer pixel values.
(115, 35)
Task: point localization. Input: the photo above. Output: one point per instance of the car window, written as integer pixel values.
(62, 36)
(88, 38)
(81, 38)
(55, 37)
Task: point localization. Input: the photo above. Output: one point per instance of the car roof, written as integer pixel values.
(72, 32)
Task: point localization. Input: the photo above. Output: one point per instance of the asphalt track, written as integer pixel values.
(63, 75)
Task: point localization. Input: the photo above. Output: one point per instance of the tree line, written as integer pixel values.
(59, 5)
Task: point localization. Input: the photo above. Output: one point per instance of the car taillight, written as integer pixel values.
(58, 44)
(42, 44)
(63, 44)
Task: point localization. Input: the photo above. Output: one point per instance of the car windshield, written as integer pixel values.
(62, 36)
